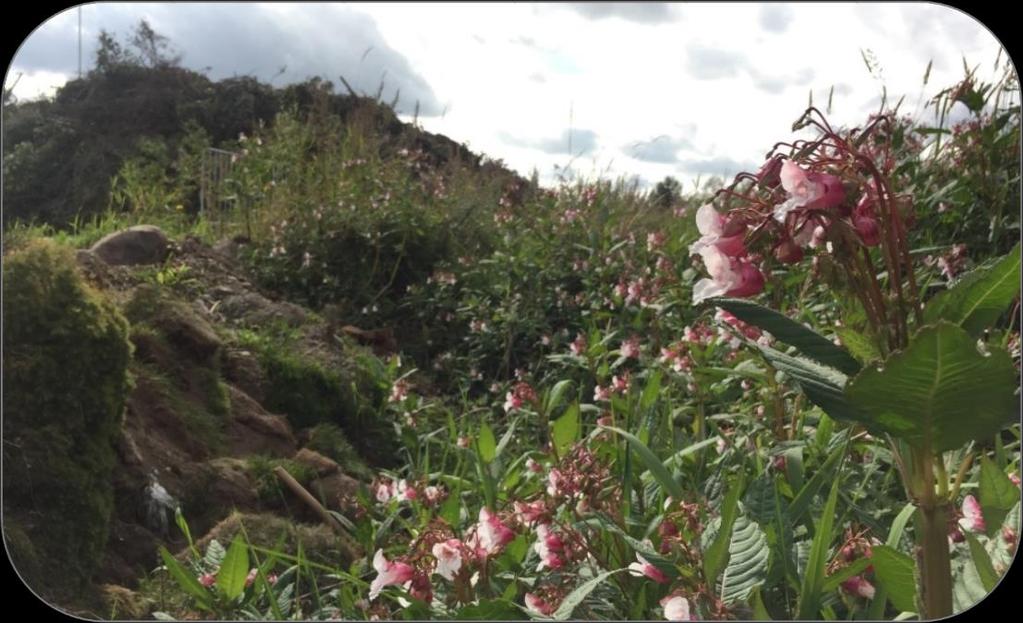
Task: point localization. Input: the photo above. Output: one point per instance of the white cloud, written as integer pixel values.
(512, 78)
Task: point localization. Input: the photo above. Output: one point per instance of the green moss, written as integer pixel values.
(268, 486)
(66, 354)
(330, 441)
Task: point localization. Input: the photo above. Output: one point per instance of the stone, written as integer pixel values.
(141, 244)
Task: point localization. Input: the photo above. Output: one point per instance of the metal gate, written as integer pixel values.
(216, 198)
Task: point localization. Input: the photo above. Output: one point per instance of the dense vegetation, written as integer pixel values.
(584, 424)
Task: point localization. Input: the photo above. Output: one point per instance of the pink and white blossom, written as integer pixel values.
(676, 608)
(973, 518)
(449, 558)
(644, 568)
(536, 604)
(389, 573)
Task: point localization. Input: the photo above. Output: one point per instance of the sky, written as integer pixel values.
(634, 90)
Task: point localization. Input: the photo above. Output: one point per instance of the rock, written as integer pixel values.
(229, 484)
(254, 431)
(254, 309)
(131, 552)
(319, 543)
(142, 244)
(320, 464)
(242, 368)
(128, 450)
(336, 492)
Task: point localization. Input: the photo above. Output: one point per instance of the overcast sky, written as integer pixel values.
(634, 89)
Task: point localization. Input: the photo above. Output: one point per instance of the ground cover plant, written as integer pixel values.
(795, 397)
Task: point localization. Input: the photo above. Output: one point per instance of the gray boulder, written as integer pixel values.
(141, 244)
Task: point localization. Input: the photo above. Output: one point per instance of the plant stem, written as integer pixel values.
(934, 563)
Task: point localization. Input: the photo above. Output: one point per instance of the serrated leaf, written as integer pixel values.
(939, 392)
(185, 579)
(824, 386)
(487, 444)
(748, 558)
(234, 569)
(580, 593)
(982, 561)
(861, 346)
(490, 610)
(997, 495)
(214, 553)
(813, 575)
(656, 467)
(808, 342)
(979, 297)
(566, 429)
(715, 556)
(894, 571)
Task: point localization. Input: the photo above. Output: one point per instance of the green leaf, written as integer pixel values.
(654, 464)
(234, 569)
(490, 610)
(802, 501)
(651, 390)
(748, 557)
(566, 429)
(997, 495)
(760, 500)
(894, 571)
(186, 580)
(861, 346)
(487, 444)
(784, 329)
(833, 581)
(982, 562)
(813, 575)
(580, 593)
(979, 297)
(556, 395)
(899, 525)
(939, 392)
(716, 554)
(506, 438)
(822, 385)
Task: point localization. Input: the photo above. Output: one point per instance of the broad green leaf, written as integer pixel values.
(761, 502)
(801, 502)
(651, 390)
(813, 575)
(982, 562)
(715, 556)
(748, 557)
(894, 571)
(939, 392)
(556, 395)
(656, 467)
(576, 597)
(833, 581)
(861, 346)
(967, 587)
(451, 510)
(566, 429)
(487, 443)
(997, 495)
(234, 569)
(759, 609)
(979, 297)
(822, 385)
(185, 579)
(784, 329)
(899, 525)
(490, 610)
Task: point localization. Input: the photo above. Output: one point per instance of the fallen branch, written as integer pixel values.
(351, 548)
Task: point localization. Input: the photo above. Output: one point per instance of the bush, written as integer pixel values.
(66, 355)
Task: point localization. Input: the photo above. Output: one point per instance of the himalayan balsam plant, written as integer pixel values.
(918, 370)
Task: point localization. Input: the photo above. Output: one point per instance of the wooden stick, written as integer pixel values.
(351, 548)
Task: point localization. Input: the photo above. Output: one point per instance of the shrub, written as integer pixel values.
(66, 354)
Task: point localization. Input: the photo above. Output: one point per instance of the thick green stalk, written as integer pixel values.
(934, 563)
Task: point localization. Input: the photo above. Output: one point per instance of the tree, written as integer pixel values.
(667, 192)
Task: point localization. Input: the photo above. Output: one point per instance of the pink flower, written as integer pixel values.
(857, 585)
(817, 191)
(728, 276)
(389, 573)
(207, 579)
(865, 223)
(251, 577)
(676, 608)
(601, 394)
(433, 494)
(531, 512)
(554, 482)
(493, 534)
(399, 390)
(1014, 477)
(533, 466)
(769, 173)
(630, 347)
(384, 492)
(539, 606)
(578, 347)
(405, 492)
(449, 558)
(548, 547)
(641, 568)
(511, 402)
(463, 442)
(620, 384)
(973, 519)
(712, 225)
